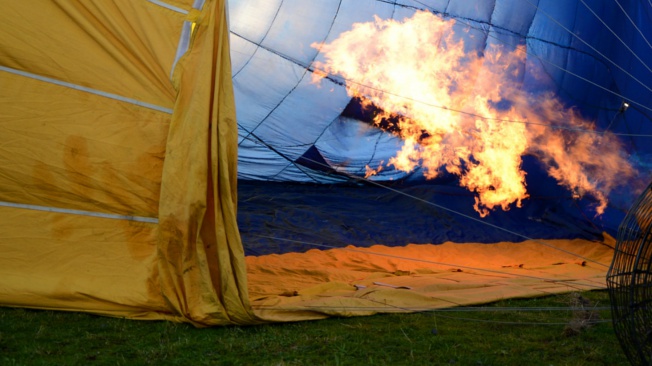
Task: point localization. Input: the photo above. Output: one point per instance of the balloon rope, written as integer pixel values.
(630, 100)
(616, 35)
(365, 180)
(591, 47)
(551, 126)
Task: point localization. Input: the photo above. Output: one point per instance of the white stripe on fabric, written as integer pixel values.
(184, 42)
(152, 220)
(199, 4)
(87, 90)
(184, 39)
(168, 6)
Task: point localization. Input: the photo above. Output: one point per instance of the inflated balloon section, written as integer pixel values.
(630, 282)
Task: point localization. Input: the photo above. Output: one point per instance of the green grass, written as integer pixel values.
(493, 336)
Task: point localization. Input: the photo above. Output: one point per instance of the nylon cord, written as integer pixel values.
(632, 101)
(437, 312)
(460, 309)
(616, 35)
(362, 179)
(597, 321)
(588, 45)
(634, 24)
(572, 129)
(484, 117)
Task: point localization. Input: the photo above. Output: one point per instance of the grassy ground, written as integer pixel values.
(485, 336)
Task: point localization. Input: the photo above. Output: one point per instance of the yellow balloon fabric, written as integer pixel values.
(201, 259)
(118, 161)
(354, 281)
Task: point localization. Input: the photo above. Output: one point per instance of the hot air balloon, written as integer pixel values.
(255, 161)
(559, 74)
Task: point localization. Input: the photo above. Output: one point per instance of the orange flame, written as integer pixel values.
(447, 105)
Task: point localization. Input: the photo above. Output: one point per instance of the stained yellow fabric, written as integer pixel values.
(163, 151)
(71, 149)
(202, 270)
(69, 262)
(362, 281)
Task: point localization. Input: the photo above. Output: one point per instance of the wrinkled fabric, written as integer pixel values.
(355, 281)
(117, 161)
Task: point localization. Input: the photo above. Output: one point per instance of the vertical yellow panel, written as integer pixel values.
(202, 267)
